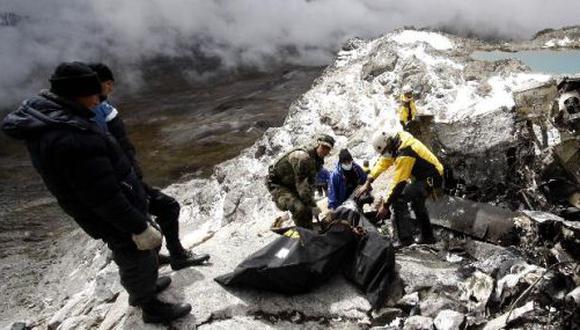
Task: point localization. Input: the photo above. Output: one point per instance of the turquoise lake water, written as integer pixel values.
(545, 61)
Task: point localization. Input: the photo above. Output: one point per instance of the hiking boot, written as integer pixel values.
(162, 284)
(425, 231)
(163, 259)
(157, 311)
(187, 259)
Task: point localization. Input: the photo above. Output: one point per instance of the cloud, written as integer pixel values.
(235, 33)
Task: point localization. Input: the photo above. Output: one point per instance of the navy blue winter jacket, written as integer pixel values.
(337, 185)
(82, 166)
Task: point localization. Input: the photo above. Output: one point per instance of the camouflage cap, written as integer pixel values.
(326, 140)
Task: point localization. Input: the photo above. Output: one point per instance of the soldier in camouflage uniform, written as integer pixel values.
(291, 180)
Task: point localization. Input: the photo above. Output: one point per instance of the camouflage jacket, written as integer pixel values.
(297, 171)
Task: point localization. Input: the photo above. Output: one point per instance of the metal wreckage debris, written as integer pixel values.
(510, 222)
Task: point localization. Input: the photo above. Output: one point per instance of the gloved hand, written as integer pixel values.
(361, 190)
(149, 239)
(384, 212)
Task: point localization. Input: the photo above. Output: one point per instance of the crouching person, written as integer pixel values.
(417, 174)
(345, 178)
(291, 180)
(94, 181)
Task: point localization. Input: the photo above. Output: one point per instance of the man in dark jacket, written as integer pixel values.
(291, 180)
(94, 181)
(345, 178)
(165, 208)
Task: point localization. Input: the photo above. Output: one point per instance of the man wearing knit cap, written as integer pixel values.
(291, 180)
(94, 181)
(164, 207)
(345, 178)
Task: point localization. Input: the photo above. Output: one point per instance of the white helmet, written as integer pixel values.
(407, 89)
(382, 139)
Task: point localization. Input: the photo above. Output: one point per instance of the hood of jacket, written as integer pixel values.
(45, 111)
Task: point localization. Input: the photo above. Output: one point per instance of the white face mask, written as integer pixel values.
(346, 167)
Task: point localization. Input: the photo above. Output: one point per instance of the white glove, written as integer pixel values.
(149, 239)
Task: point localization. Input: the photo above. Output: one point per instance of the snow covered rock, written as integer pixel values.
(418, 323)
(449, 320)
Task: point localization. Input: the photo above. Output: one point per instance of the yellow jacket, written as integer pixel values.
(407, 106)
(412, 160)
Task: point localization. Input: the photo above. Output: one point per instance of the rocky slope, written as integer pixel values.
(229, 214)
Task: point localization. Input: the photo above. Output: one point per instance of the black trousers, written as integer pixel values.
(138, 271)
(414, 193)
(166, 210)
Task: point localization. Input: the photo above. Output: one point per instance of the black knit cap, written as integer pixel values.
(103, 72)
(74, 79)
(344, 156)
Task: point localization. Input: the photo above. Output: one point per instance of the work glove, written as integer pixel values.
(384, 212)
(361, 190)
(149, 239)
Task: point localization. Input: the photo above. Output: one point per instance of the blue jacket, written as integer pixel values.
(322, 177)
(337, 185)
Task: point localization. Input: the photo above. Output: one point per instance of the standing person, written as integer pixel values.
(417, 173)
(345, 178)
(291, 180)
(94, 181)
(165, 208)
(407, 109)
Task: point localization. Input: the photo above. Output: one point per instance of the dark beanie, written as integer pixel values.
(103, 72)
(344, 156)
(74, 79)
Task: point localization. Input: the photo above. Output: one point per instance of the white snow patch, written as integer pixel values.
(420, 53)
(436, 40)
(344, 57)
(468, 103)
(558, 43)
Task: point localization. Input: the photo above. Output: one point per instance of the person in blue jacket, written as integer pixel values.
(344, 179)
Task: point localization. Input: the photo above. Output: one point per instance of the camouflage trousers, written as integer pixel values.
(288, 200)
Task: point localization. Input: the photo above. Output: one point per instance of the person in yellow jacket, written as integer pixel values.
(417, 173)
(407, 110)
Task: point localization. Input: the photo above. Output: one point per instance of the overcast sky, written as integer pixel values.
(239, 32)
